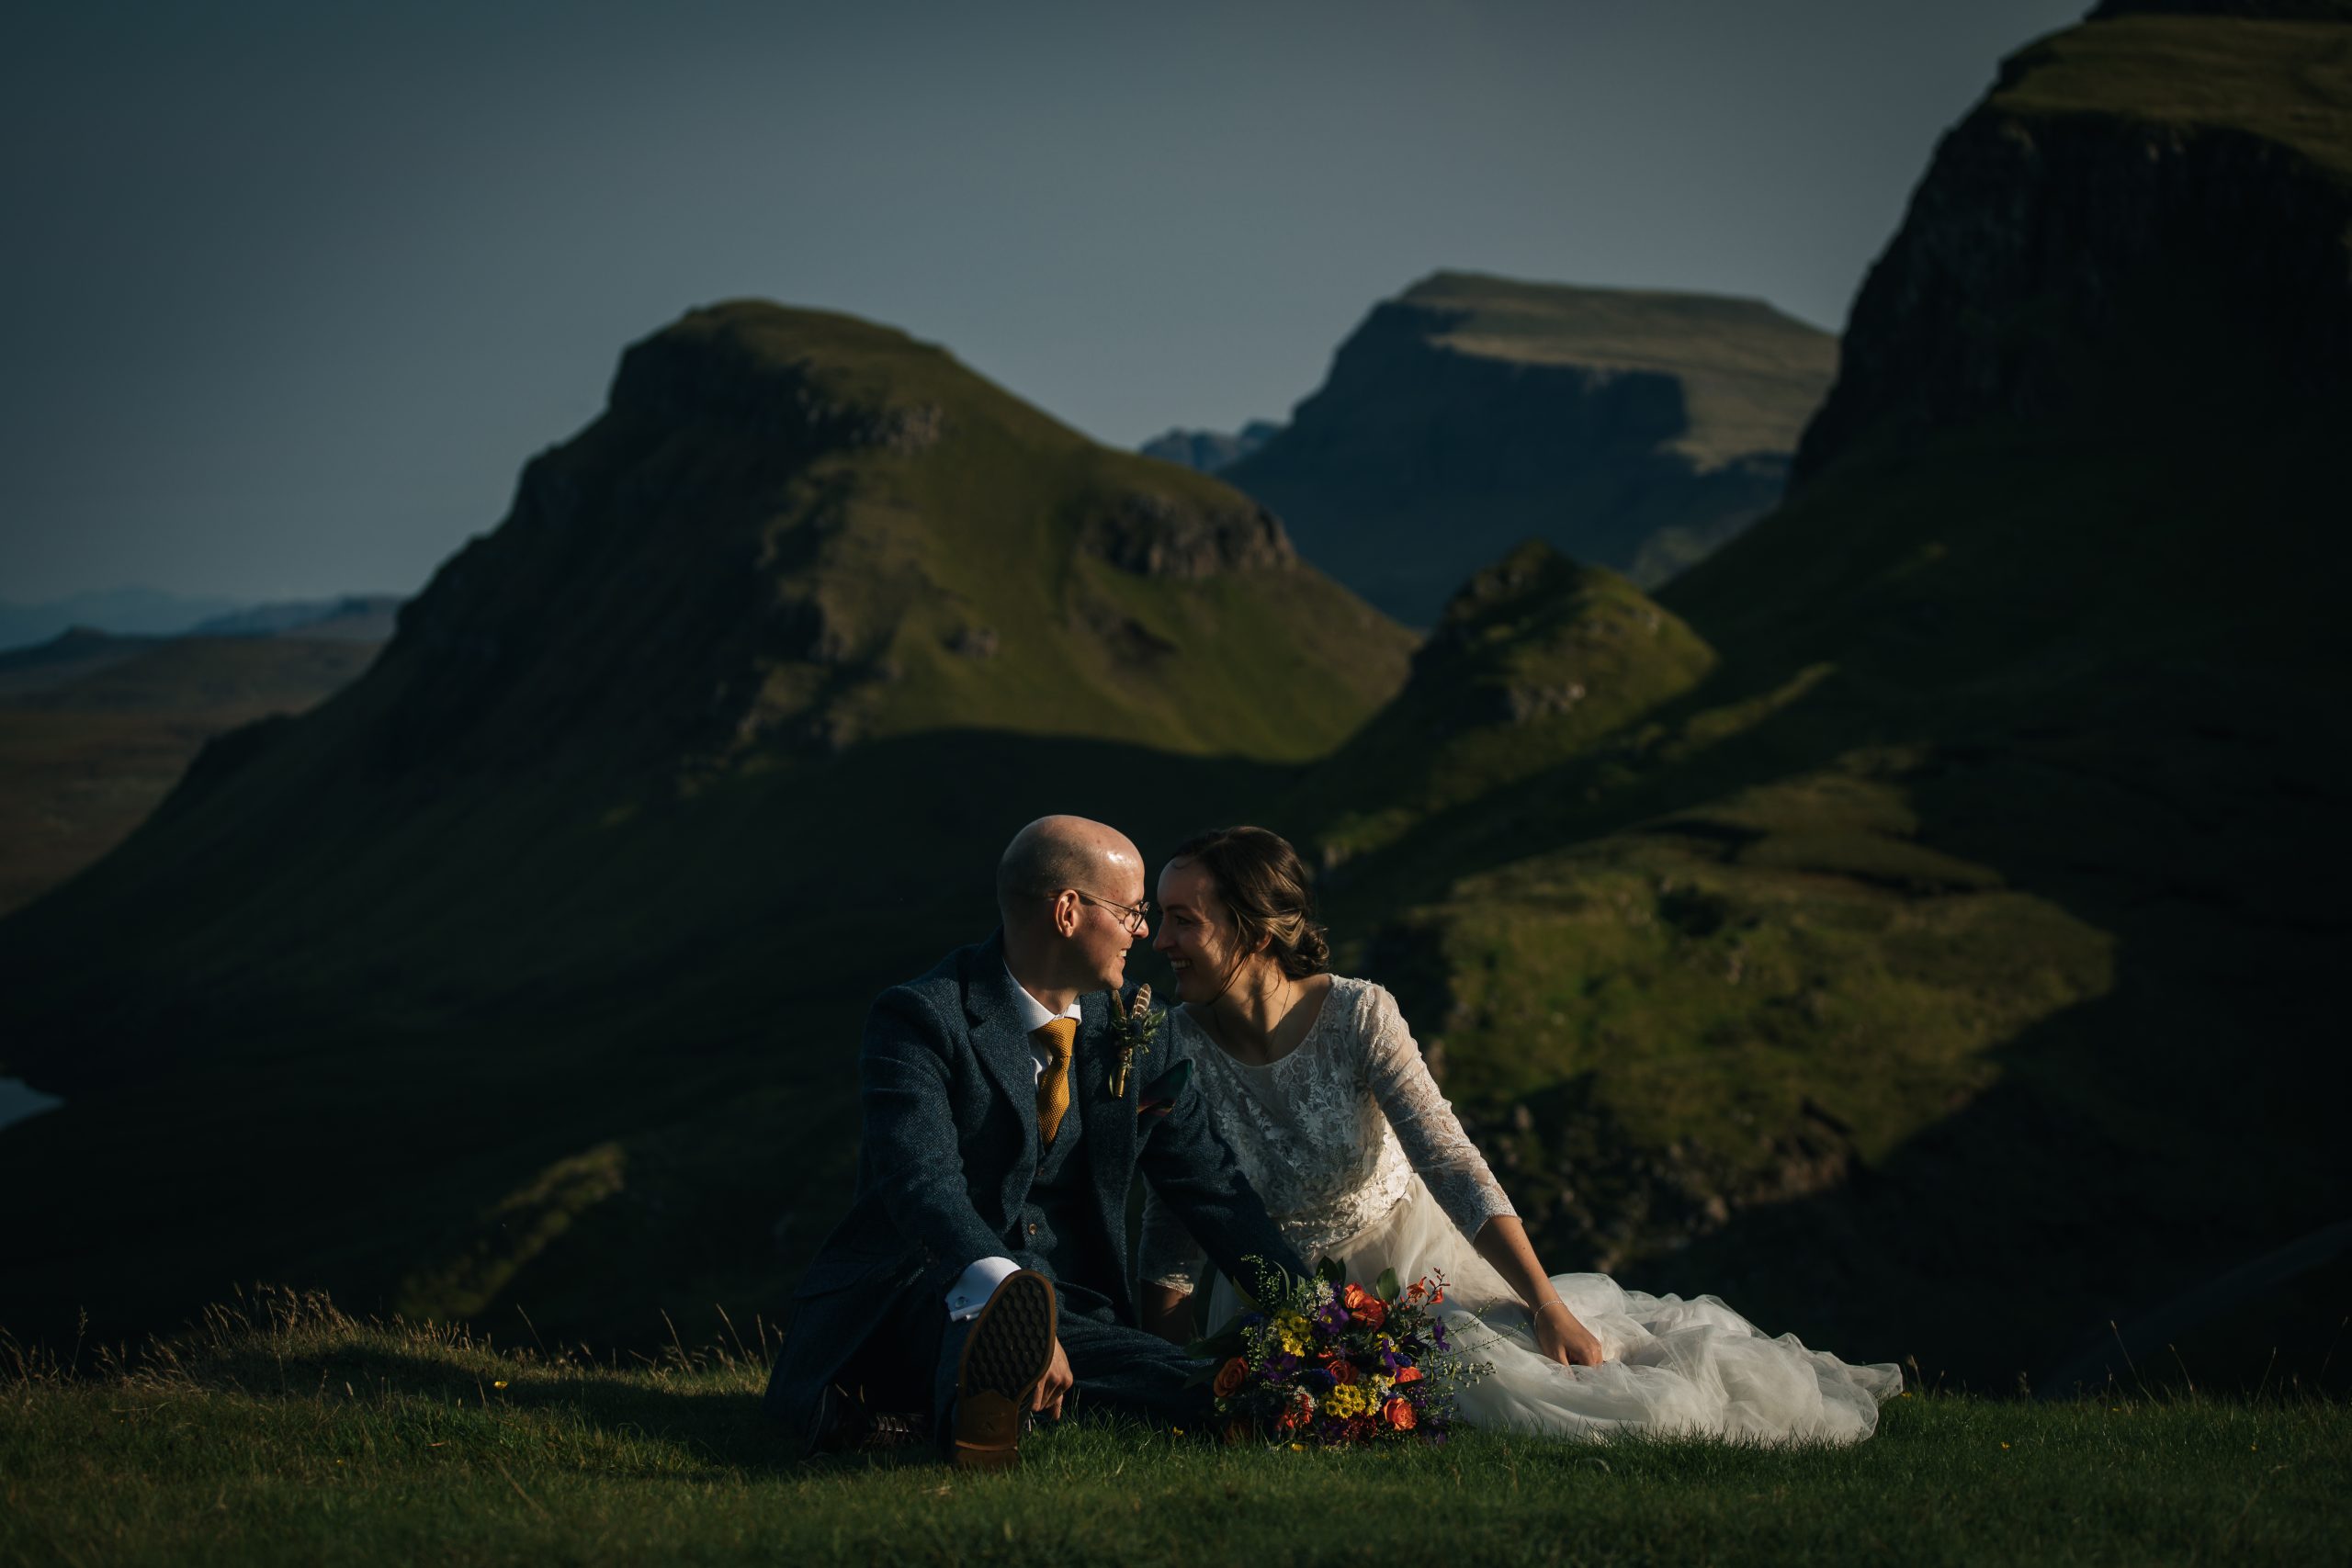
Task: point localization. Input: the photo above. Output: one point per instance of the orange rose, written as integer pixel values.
(1354, 1296)
(1373, 1313)
(1345, 1371)
(1408, 1374)
(1229, 1376)
(1398, 1413)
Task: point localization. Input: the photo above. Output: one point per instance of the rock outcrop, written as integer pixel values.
(1636, 431)
(2075, 222)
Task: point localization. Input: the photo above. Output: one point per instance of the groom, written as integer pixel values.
(983, 1271)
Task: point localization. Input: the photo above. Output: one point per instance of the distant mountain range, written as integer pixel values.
(1913, 921)
(96, 729)
(126, 611)
(353, 618)
(1628, 429)
(1211, 451)
(136, 615)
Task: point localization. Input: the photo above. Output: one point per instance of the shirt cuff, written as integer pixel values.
(975, 1285)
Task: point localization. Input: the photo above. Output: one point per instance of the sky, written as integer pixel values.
(289, 292)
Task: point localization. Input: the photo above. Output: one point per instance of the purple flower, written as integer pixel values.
(1331, 1315)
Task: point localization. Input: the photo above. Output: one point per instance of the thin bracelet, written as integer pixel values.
(1555, 1301)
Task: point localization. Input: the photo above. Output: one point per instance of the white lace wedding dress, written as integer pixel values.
(1358, 1158)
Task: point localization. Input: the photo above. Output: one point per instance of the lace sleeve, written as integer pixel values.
(1431, 1135)
(1171, 1256)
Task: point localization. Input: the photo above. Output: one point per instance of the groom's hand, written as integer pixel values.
(1057, 1381)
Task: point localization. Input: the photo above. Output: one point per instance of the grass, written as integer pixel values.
(283, 1431)
(2285, 81)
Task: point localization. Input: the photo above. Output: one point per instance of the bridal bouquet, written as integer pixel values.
(1323, 1360)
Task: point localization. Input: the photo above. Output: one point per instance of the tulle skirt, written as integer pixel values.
(1672, 1366)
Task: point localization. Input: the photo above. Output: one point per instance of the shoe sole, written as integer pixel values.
(1004, 1358)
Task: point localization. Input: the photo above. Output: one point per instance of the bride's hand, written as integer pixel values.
(1560, 1338)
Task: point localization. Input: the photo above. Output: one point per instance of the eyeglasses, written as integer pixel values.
(1136, 918)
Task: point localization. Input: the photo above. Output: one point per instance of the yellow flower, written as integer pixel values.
(500, 1384)
(1298, 1448)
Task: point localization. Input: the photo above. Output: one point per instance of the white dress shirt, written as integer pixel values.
(977, 1284)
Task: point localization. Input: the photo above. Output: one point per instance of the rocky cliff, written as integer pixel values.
(1634, 431)
(2165, 188)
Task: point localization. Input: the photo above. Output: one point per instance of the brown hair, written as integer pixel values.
(1265, 885)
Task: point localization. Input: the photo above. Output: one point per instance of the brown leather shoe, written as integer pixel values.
(1004, 1358)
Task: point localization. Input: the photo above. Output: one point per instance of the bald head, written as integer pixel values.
(1055, 852)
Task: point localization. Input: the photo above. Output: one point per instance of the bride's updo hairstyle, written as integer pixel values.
(1264, 884)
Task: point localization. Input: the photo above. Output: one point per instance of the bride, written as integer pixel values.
(1315, 1082)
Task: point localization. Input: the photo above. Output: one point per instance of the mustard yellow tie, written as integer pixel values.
(1059, 1038)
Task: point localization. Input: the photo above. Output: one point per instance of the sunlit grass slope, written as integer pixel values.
(311, 1438)
(2285, 79)
(1535, 658)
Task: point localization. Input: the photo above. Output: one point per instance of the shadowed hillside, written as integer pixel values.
(531, 965)
(1632, 430)
(1947, 972)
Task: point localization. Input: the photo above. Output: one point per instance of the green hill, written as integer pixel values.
(529, 968)
(1535, 660)
(1630, 429)
(1947, 971)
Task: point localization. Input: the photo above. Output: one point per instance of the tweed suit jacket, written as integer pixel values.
(948, 1084)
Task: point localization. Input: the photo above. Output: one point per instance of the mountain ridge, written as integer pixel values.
(1630, 429)
(527, 947)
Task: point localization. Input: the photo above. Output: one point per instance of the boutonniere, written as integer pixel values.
(1137, 1026)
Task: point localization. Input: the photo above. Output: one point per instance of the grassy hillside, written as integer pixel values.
(533, 961)
(2284, 80)
(1535, 658)
(1948, 966)
(305, 1437)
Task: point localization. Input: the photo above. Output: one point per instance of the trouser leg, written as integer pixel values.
(1130, 1373)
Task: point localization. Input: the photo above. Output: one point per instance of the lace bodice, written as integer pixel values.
(1330, 1134)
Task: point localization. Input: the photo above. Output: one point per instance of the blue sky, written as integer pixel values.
(292, 290)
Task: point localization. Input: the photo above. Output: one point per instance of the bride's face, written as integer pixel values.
(1196, 934)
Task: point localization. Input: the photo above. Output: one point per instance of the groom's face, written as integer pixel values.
(1099, 938)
